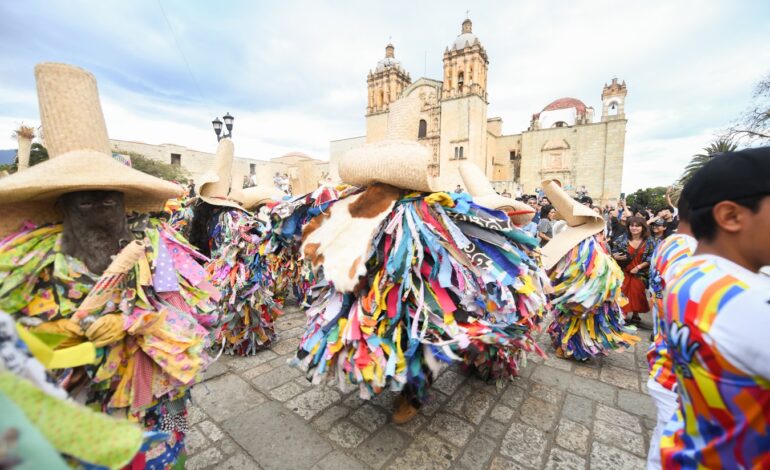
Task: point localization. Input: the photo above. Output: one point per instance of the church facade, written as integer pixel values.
(563, 141)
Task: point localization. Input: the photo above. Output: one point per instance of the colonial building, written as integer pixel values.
(563, 140)
(304, 172)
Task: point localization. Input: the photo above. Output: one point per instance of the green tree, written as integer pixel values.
(654, 198)
(721, 145)
(156, 168)
(37, 154)
(753, 126)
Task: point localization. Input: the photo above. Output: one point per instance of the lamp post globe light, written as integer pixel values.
(228, 121)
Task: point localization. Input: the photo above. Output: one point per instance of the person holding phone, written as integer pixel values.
(633, 252)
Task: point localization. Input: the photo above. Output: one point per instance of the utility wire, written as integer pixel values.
(184, 59)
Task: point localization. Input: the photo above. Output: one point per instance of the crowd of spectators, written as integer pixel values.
(631, 235)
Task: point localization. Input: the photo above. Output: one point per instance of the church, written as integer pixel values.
(563, 141)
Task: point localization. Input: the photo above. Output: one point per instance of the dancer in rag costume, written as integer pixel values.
(293, 274)
(41, 427)
(147, 310)
(414, 278)
(587, 300)
(224, 229)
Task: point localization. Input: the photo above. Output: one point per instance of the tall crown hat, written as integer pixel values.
(582, 222)
(484, 194)
(398, 160)
(217, 184)
(80, 155)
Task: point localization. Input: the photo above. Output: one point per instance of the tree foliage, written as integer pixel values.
(162, 170)
(157, 168)
(654, 198)
(37, 154)
(721, 145)
(754, 124)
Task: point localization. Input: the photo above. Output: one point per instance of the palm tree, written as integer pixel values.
(721, 145)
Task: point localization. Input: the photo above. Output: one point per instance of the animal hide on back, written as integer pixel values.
(341, 241)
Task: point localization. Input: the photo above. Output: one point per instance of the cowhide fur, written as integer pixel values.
(95, 227)
(341, 240)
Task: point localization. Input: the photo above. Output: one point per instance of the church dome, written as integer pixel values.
(389, 61)
(466, 38)
(566, 103)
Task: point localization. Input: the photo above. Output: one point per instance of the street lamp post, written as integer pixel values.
(228, 121)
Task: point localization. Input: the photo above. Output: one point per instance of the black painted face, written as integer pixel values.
(94, 225)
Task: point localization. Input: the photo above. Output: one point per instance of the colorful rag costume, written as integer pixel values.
(293, 275)
(147, 311)
(166, 302)
(239, 269)
(587, 299)
(439, 280)
(586, 303)
(717, 318)
(40, 427)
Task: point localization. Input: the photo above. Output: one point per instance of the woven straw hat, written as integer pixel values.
(398, 160)
(80, 155)
(258, 195)
(582, 223)
(217, 184)
(484, 194)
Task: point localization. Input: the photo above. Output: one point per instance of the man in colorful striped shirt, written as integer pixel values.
(667, 260)
(717, 319)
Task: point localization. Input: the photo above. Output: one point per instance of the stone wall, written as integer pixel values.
(338, 148)
(307, 173)
(592, 156)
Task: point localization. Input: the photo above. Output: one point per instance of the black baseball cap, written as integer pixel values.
(730, 176)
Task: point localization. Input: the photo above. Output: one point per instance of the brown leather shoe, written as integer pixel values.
(405, 412)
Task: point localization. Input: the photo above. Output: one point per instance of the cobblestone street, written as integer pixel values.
(257, 412)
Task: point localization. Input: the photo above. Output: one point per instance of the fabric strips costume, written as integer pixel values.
(587, 299)
(293, 275)
(445, 280)
(221, 227)
(412, 280)
(146, 311)
(48, 428)
(165, 303)
(239, 269)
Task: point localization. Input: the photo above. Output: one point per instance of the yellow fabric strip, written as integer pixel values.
(82, 354)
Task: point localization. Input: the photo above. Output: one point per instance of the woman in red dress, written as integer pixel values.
(633, 252)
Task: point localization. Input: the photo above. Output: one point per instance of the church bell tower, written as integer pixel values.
(465, 65)
(386, 82)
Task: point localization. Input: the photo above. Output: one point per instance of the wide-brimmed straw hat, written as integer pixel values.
(484, 194)
(259, 195)
(398, 160)
(217, 185)
(80, 155)
(582, 223)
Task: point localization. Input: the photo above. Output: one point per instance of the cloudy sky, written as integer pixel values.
(294, 73)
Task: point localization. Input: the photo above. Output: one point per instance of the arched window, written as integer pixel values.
(612, 108)
(423, 130)
(460, 81)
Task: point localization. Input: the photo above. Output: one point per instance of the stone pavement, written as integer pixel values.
(257, 412)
